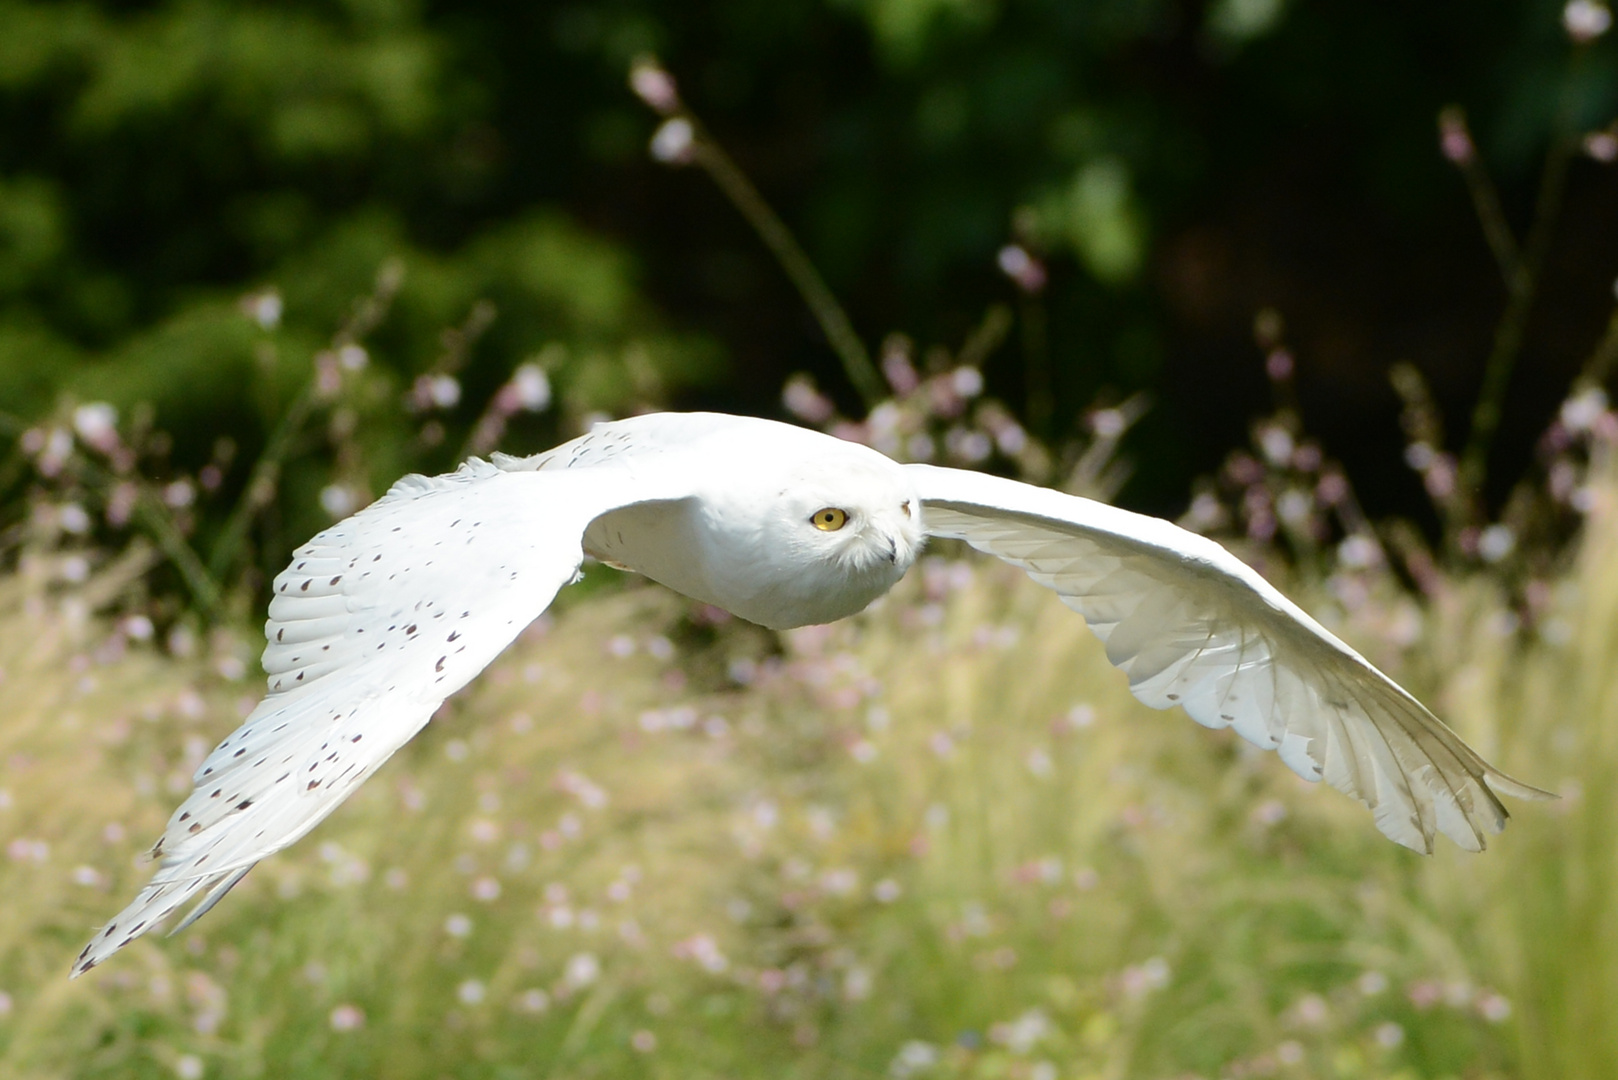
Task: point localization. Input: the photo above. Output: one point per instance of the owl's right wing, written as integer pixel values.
(377, 620)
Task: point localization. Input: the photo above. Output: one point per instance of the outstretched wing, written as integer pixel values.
(1192, 625)
(376, 621)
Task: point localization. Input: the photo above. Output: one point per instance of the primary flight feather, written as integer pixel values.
(382, 616)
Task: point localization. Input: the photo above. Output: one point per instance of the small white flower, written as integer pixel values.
(73, 519)
(337, 500)
(582, 970)
(96, 423)
(179, 494)
(1586, 20)
(1496, 542)
(653, 85)
(674, 141)
(263, 308)
(1581, 411)
(347, 1018)
(913, 1057)
(444, 390)
(532, 387)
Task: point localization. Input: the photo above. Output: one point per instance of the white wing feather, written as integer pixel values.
(376, 621)
(1192, 625)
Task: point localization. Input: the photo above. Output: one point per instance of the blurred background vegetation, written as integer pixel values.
(257, 260)
(1179, 165)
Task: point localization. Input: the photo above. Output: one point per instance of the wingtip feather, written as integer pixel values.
(1516, 789)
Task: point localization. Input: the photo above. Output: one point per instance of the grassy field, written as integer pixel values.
(938, 840)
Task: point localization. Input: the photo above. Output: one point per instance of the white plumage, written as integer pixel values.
(384, 615)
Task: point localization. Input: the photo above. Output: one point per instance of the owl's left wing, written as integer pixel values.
(376, 621)
(1192, 625)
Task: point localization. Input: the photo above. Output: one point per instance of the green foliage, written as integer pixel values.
(158, 161)
(194, 197)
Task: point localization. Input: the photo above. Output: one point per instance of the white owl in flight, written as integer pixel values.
(382, 616)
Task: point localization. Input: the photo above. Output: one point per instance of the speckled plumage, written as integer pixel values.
(382, 616)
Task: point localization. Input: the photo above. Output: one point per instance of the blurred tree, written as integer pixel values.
(1180, 166)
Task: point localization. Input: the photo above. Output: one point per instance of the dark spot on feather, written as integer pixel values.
(196, 826)
(453, 634)
(357, 738)
(411, 629)
(299, 678)
(335, 580)
(238, 753)
(312, 785)
(280, 635)
(218, 791)
(377, 559)
(305, 586)
(1174, 697)
(244, 804)
(1227, 718)
(186, 816)
(440, 665)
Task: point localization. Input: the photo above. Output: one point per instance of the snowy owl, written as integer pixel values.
(382, 616)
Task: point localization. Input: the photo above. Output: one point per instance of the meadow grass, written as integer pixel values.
(937, 840)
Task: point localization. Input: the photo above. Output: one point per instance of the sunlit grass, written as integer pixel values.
(937, 840)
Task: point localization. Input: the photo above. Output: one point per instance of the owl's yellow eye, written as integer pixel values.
(830, 519)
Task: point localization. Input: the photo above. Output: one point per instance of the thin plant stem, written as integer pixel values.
(261, 485)
(203, 586)
(1038, 394)
(986, 337)
(1496, 230)
(834, 321)
(1513, 325)
(1600, 365)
